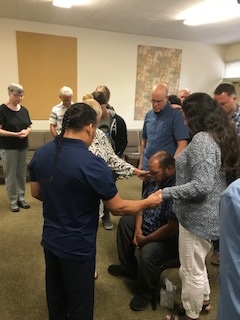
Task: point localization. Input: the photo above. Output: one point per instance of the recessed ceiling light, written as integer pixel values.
(62, 3)
(69, 3)
(210, 11)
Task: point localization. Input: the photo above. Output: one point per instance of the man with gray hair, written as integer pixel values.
(58, 111)
(183, 94)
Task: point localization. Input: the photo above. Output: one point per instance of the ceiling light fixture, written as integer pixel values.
(62, 3)
(69, 3)
(210, 11)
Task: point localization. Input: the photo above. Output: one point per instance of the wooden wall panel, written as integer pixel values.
(45, 64)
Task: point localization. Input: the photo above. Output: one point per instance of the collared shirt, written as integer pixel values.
(56, 116)
(71, 198)
(163, 130)
(236, 119)
(154, 218)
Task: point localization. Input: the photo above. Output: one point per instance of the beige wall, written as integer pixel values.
(111, 58)
(231, 52)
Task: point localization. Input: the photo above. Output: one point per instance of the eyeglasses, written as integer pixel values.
(153, 173)
(18, 95)
(156, 101)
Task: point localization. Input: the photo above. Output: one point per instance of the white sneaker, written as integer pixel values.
(107, 224)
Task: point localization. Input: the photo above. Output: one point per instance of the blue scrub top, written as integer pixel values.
(71, 199)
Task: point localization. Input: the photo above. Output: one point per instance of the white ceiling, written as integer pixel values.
(141, 17)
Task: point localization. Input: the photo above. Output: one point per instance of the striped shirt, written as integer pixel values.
(56, 116)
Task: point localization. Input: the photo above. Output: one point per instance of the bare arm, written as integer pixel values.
(36, 191)
(167, 231)
(143, 146)
(181, 145)
(138, 228)
(120, 207)
(53, 130)
(20, 134)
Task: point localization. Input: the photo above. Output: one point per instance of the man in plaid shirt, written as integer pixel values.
(154, 232)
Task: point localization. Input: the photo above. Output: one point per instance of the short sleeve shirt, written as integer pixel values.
(56, 116)
(154, 218)
(14, 121)
(71, 188)
(162, 131)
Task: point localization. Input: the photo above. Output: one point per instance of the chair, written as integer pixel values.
(168, 264)
(132, 152)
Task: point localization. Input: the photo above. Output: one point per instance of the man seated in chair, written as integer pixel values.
(154, 232)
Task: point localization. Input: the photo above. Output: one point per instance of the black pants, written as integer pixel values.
(150, 256)
(69, 287)
(216, 245)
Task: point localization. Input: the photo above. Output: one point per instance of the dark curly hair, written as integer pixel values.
(202, 113)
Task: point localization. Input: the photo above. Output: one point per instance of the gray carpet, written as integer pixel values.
(22, 289)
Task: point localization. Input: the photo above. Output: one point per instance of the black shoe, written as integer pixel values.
(139, 303)
(117, 271)
(14, 208)
(23, 204)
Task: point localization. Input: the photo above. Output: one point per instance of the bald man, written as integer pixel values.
(163, 129)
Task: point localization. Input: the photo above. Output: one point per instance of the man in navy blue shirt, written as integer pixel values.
(153, 231)
(163, 128)
(71, 180)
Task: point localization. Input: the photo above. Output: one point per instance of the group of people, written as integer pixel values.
(204, 169)
(189, 155)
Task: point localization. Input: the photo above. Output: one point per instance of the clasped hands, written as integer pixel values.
(155, 198)
(23, 133)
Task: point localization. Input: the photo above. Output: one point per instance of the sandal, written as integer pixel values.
(206, 307)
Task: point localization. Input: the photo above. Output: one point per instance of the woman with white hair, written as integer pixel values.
(15, 126)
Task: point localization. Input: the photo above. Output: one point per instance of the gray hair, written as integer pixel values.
(66, 91)
(15, 88)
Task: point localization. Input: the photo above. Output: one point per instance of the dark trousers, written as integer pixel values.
(151, 256)
(216, 245)
(69, 287)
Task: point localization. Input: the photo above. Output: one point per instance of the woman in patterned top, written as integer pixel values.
(203, 171)
(102, 148)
